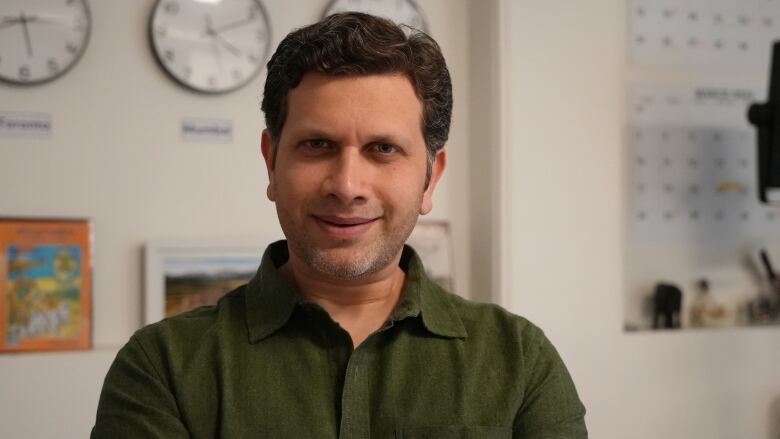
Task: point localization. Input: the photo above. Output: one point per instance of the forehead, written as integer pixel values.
(355, 105)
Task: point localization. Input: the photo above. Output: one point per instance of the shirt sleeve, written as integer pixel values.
(136, 401)
(551, 408)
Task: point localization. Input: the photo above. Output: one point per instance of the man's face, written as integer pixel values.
(349, 176)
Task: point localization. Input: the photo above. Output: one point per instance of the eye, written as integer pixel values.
(385, 148)
(317, 144)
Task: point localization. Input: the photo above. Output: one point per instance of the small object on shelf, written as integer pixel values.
(667, 301)
(701, 303)
(765, 308)
(705, 311)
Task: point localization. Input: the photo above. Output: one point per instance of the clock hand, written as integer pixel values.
(210, 32)
(226, 44)
(218, 54)
(8, 21)
(26, 31)
(217, 38)
(36, 19)
(234, 24)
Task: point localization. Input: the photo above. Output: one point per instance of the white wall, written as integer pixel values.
(115, 156)
(562, 67)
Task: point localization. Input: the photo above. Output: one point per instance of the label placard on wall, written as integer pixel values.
(15, 124)
(207, 130)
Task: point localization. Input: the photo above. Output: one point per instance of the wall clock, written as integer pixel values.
(41, 40)
(211, 46)
(400, 11)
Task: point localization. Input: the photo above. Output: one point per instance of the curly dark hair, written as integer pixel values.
(353, 44)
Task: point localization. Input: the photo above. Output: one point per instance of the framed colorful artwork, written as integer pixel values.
(45, 284)
(181, 276)
(432, 241)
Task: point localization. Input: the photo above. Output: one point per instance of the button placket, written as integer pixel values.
(354, 400)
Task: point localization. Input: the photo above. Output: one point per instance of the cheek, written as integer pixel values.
(404, 192)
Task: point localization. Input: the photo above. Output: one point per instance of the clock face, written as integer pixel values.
(212, 46)
(400, 11)
(40, 40)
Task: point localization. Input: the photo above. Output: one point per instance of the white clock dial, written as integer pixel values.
(400, 11)
(40, 40)
(212, 46)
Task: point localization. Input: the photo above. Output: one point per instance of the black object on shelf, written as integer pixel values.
(667, 303)
(766, 118)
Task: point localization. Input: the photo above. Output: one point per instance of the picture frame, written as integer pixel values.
(45, 284)
(432, 241)
(183, 275)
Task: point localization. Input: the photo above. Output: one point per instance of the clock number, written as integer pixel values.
(169, 55)
(237, 75)
(261, 35)
(24, 72)
(187, 72)
(161, 31)
(70, 2)
(172, 8)
(72, 48)
(52, 65)
(254, 59)
(253, 11)
(213, 81)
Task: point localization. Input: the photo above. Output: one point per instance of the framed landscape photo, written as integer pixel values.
(432, 241)
(181, 276)
(45, 284)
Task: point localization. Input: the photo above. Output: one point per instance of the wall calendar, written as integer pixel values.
(726, 33)
(693, 166)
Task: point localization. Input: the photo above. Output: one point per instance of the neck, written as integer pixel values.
(360, 306)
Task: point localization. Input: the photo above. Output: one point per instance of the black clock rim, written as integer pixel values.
(66, 69)
(414, 4)
(249, 79)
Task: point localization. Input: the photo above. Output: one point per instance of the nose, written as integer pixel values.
(346, 178)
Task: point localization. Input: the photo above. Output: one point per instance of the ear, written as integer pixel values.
(267, 148)
(439, 163)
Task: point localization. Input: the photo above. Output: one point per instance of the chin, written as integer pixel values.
(344, 263)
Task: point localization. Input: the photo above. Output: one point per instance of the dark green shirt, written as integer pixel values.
(262, 363)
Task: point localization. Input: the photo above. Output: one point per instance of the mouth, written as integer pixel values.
(344, 227)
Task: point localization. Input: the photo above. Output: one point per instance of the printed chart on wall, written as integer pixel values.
(726, 33)
(45, 285)
(693, 170)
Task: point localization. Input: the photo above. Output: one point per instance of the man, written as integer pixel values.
(340, 333)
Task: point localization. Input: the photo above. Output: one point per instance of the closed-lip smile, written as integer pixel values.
(344, 227)
(344, 221)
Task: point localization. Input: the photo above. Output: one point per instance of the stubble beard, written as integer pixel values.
(344, 263)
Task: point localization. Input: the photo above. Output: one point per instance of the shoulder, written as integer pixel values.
(507, 339)
(487, 320)
(181, 336)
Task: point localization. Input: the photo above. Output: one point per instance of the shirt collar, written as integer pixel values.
(271, 300)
